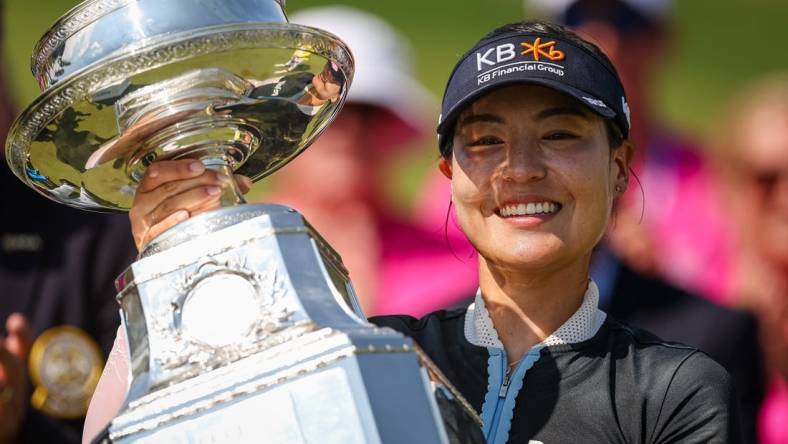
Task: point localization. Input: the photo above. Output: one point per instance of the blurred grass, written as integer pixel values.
(719, 46)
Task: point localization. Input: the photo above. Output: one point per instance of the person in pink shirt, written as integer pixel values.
(338, 184)
(752, 149)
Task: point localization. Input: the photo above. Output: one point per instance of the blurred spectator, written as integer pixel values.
(677, 228)
(752, 146)
(58, 314)
(338, 183)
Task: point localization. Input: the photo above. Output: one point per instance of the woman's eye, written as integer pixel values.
(560, 135)
(487, 140)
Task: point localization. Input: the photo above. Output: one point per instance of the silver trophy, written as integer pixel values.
(242, 322)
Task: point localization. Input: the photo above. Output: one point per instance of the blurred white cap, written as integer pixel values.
(383, 74)
(658, 10)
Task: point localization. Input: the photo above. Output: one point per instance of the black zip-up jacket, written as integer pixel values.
(623, 385)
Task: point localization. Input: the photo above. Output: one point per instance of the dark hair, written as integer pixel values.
(614, 134)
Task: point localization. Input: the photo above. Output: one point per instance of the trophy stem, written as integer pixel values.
(231, 195)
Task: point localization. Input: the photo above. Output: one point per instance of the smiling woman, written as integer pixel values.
(536, 158)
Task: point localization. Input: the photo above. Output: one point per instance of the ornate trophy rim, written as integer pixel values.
(72, 21)
(151, 54)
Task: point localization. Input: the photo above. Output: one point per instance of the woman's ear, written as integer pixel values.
(445, 166)
(622, 157)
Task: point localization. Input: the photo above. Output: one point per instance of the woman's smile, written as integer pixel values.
(528, 211)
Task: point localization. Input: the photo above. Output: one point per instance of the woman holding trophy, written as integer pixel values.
(534, 139)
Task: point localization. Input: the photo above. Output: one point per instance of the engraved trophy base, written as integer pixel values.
(260, 338)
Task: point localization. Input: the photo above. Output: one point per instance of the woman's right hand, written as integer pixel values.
(172, 191)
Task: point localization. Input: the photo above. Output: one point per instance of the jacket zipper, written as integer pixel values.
(505, 386)
(502, 392)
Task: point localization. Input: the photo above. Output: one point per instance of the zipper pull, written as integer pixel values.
(504, 386)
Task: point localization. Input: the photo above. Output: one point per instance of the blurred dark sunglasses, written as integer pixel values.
(765, 179)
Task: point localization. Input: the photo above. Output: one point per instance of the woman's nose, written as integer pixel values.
(523, 163)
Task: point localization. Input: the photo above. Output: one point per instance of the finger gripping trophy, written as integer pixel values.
(242, 324)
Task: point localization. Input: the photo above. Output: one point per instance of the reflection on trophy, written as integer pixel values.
(242, 323)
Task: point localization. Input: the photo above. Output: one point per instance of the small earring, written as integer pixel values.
(620, 188)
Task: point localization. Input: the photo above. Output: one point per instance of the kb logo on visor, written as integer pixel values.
(542, 52)
(539, 49)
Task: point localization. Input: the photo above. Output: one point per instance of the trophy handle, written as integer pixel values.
(231, 195)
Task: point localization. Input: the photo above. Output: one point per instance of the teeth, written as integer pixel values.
(529, 209)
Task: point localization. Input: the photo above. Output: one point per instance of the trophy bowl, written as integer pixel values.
(126, 82)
